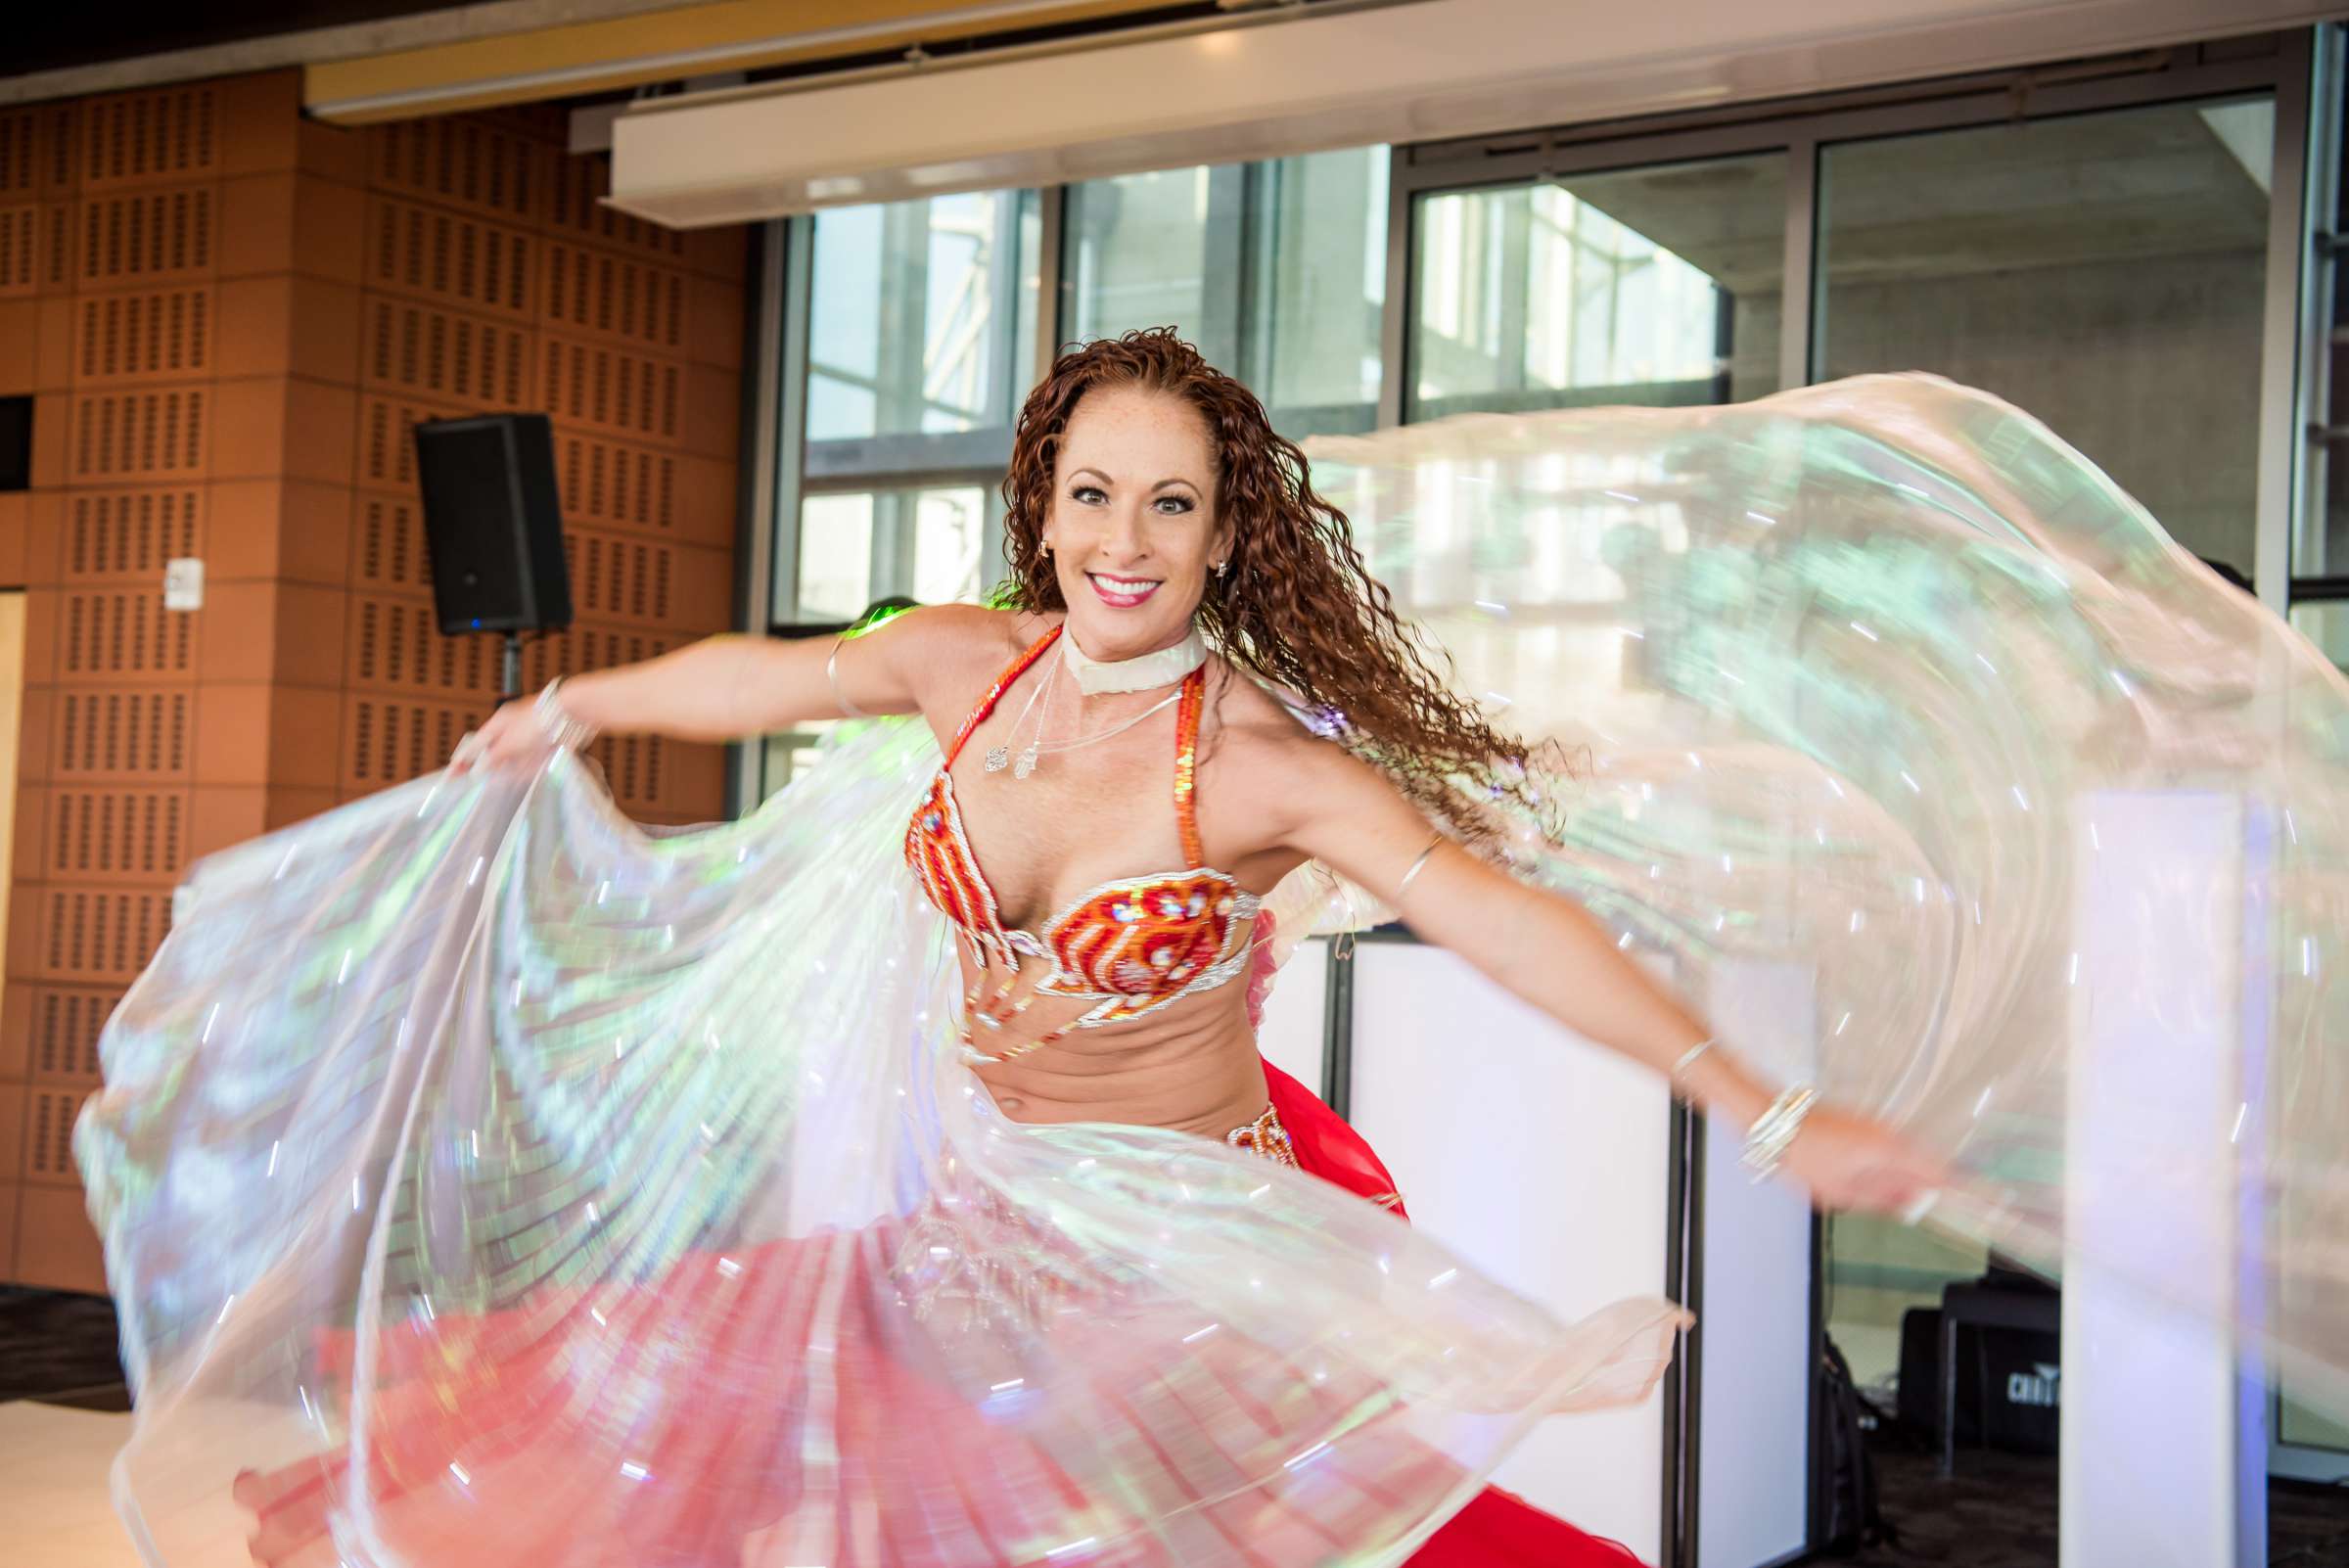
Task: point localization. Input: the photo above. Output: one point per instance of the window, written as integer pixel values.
(915, 324)
(920, 326)
(1655, 286)
(2106, 273)
(1277, 271)
(859, 546)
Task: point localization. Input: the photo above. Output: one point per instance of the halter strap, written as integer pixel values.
(994, 693)
(1186, 740)
(1186, 767)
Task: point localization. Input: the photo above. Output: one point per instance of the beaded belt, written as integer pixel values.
(1265, 1137)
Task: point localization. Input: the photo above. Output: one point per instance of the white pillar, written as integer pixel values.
(2162, 1459)
(1753, 1403)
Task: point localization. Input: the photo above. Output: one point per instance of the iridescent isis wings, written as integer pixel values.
(485, 1180)
(1882, 686)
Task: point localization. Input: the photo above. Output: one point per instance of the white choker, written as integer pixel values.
(1160, 668)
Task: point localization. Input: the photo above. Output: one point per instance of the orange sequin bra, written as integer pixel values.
(1129, 947)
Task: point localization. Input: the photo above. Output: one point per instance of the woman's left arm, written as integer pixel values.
(1550, 953)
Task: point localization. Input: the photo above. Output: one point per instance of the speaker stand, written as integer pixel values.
(510, 673)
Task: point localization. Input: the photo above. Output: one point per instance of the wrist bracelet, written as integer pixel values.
(1690, 1056)
(563, 731)
(1767, 1140)
(1405, 886)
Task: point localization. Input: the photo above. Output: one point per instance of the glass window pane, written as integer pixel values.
(1276, 270)
(948, 535)
(1140, 248)
(836, 554)
(855, 548)
(2325, 622)
(1321, 269)
(916, 323)
(793, 754)
(2106, 271)
(1653, 285)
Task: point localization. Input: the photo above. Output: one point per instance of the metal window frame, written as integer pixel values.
(2286, 325)
(2306, 279)
(794, 307)
(769, 474)
(2314, 431)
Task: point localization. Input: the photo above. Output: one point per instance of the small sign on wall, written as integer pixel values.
(183, 583)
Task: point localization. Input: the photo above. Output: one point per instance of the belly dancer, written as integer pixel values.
(889, 1178)
(1192, 688)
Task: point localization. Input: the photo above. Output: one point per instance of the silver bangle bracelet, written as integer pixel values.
(1688, 1057)
(563, 731)
(1767, 1139)
(848, 708)
(1412, 871)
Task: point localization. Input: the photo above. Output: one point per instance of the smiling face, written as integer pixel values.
(1133, 526)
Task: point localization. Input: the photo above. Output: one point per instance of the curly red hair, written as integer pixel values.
(1297, 608)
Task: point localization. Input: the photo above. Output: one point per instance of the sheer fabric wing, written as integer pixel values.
(485, 1181)
(1877, 690)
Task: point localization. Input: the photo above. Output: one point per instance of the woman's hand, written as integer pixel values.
(515, 735)
(1851, 1162)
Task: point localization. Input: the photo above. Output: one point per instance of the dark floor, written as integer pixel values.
(1999, 1512)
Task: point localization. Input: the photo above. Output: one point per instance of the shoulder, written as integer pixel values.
(946, 646)
(970, 630)
(1265, 752)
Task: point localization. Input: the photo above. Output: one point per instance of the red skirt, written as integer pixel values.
(1498, 1529)
(718, 1486)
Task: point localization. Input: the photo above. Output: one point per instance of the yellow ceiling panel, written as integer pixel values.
(688, 41)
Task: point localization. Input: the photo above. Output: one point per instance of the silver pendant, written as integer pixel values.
(998, 758)
(1026, 764)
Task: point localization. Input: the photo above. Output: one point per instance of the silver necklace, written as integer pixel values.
(1046, 747)
(998, 755)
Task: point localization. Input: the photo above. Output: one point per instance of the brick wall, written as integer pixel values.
(229, 318)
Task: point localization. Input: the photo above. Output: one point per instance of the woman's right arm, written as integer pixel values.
(730, 686)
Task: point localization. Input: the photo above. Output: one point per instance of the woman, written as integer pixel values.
(485, 1180)
(1156, 526)
(1180, 595)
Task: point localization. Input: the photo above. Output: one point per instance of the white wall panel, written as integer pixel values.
(1542, 1159)
(1293, 1031)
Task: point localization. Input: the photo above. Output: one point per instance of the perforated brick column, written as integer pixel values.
(493, 279)
(229, 318)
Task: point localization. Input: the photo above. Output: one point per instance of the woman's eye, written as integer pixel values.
(1174, 505)
(1088, 493)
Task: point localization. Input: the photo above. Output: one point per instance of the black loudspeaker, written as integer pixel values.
(492, 523)
(15, 443)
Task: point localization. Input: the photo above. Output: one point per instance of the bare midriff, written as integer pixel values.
(1191, 1066)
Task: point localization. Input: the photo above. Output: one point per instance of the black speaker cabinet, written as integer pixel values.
(15, 443)
(492, 524)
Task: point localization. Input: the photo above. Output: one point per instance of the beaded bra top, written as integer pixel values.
(1131, 945)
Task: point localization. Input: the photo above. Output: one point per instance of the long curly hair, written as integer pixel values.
(1296, 606)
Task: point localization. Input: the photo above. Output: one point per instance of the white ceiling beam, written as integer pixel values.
(1391, 73)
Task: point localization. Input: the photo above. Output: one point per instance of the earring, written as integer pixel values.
(1047, 546)
(1223, 565)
